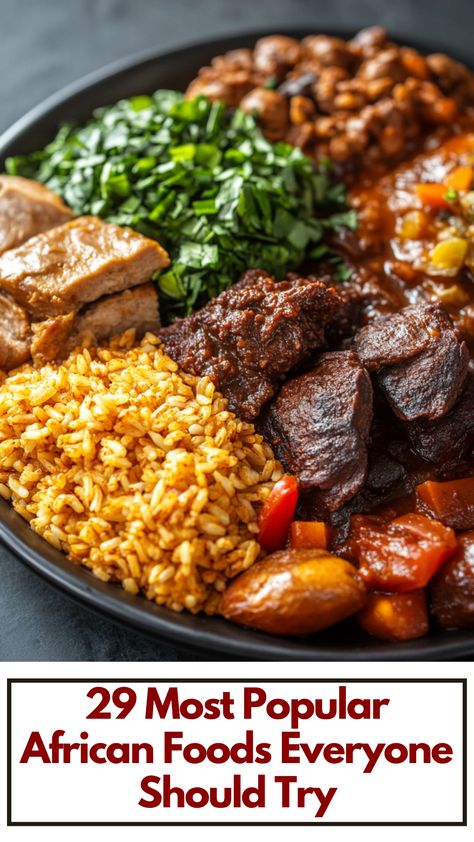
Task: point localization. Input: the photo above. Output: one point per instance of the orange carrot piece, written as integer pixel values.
(433, 195)
(401, 555)
(451, 502)
(460, 178)
(402, 616)
(309, 535)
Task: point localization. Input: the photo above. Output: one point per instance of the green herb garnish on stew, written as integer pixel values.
(203, 181)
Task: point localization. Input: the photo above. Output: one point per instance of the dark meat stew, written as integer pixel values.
(379, 427)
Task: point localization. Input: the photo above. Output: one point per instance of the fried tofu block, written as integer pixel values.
(27, 208)
(63, 269)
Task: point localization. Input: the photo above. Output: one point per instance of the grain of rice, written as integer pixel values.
(136, 470)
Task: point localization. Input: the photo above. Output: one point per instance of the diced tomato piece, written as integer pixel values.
(401, 616)
(433, 195)
(277, 513)
(309, 535)
(460, 178)
(401, 555)
(450, 502)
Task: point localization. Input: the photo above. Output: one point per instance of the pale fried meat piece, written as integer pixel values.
(134, 308)
(60, 270)
(51, 338)
(27, 208)
(15, 334)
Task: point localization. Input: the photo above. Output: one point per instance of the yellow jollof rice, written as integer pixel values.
(136, 470)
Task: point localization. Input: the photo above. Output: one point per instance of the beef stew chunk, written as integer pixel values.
(452, 589)
(60, 270)
(427, 386)
(447, 440)
(319, 427)
(395, 339)
(26, 209)
(366, 299)
(387, 482)
(15, 334)
(251, 335)
(419, 358)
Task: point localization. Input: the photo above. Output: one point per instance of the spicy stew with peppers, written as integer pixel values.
(407, 527)
(411, 293)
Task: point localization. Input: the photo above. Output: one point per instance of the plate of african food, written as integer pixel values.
(237, 327)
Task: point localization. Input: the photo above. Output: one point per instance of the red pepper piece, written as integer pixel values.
(277, 514)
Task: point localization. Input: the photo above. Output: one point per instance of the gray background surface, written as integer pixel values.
(44, 44)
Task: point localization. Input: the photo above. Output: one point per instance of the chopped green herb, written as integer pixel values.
(202, 180)
(451, 195)
(271, 83)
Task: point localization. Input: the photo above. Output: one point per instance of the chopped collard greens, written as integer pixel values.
(200, 179)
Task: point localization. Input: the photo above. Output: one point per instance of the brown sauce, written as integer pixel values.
(398, 232)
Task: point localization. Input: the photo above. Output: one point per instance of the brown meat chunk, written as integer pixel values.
(397, 338)
(62, 269)
(387, 481)
(26, 209)
(446, 440)
(249, 337)
(134, 308)
(319, 427)
(429, 385)
(14, 334)
(420, 359)
(364, 300)
(51, 338)
(253, 277)
(452, 589)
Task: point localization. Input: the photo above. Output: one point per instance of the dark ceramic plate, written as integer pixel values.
(144, 75)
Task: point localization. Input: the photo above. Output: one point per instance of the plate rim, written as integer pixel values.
(155, 621)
